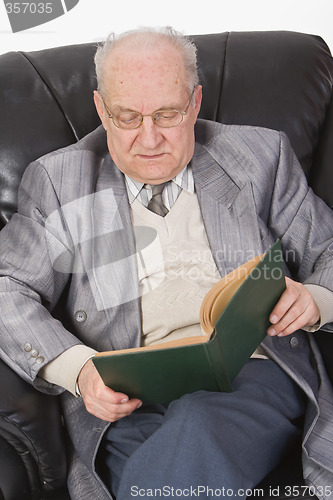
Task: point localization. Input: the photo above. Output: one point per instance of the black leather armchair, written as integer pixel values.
(279, 80)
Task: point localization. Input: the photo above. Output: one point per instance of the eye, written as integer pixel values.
(128, 118)
(165, 115)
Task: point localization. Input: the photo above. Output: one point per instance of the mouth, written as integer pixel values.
(151, 157)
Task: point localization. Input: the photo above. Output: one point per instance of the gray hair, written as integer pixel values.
(147, 38)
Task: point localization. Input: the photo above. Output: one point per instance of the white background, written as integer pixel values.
(93, 20)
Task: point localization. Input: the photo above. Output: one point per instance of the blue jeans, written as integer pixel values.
(205, 444)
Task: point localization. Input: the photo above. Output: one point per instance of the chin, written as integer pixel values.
(157, 175)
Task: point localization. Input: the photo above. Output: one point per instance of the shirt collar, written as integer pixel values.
(183, 179)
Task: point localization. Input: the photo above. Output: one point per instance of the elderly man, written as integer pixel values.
(212, 195)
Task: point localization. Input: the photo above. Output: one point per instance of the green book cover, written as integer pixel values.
(161, 373)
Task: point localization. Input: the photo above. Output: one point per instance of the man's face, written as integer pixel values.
(148, 81)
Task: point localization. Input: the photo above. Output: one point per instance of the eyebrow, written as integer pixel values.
(119, 108)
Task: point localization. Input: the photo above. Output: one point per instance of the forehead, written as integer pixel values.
(150, 75)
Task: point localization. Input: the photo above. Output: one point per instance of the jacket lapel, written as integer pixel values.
(228, 211)
(113, 275)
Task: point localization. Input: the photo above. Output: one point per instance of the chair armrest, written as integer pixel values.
(31, 424)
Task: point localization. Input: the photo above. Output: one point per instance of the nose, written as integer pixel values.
(150, 135)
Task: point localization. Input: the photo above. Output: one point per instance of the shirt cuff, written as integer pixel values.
(323, 297)
(65, 369)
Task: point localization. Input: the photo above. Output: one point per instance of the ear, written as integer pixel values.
(198, 99)
(102, 113)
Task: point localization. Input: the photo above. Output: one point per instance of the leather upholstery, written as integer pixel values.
(279, 80)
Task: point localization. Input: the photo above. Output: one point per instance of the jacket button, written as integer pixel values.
(34, 353)
(27, 347)
(293, 342)
(80, 316)
(40, 360)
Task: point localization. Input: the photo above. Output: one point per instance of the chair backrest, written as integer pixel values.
(280, 80)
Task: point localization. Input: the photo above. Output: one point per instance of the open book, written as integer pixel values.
(234, 316)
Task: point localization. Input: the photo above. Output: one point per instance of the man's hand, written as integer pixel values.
(295, 309)
(102, 401)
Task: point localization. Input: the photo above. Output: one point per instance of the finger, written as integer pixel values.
(108, 395)
(287, 299)
(287, 328)
(294, 316)
(116, 412)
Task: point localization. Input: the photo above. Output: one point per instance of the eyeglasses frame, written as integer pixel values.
(182, 113)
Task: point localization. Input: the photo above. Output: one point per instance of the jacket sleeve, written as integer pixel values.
(303, 222)
(30, 286)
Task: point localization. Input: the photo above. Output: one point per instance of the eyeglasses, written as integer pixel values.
(164, 118)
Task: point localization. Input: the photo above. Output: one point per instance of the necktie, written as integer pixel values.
(156, 203)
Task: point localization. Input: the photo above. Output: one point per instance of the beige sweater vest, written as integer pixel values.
(175, 271)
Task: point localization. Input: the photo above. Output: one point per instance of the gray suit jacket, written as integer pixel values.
(70, 253)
